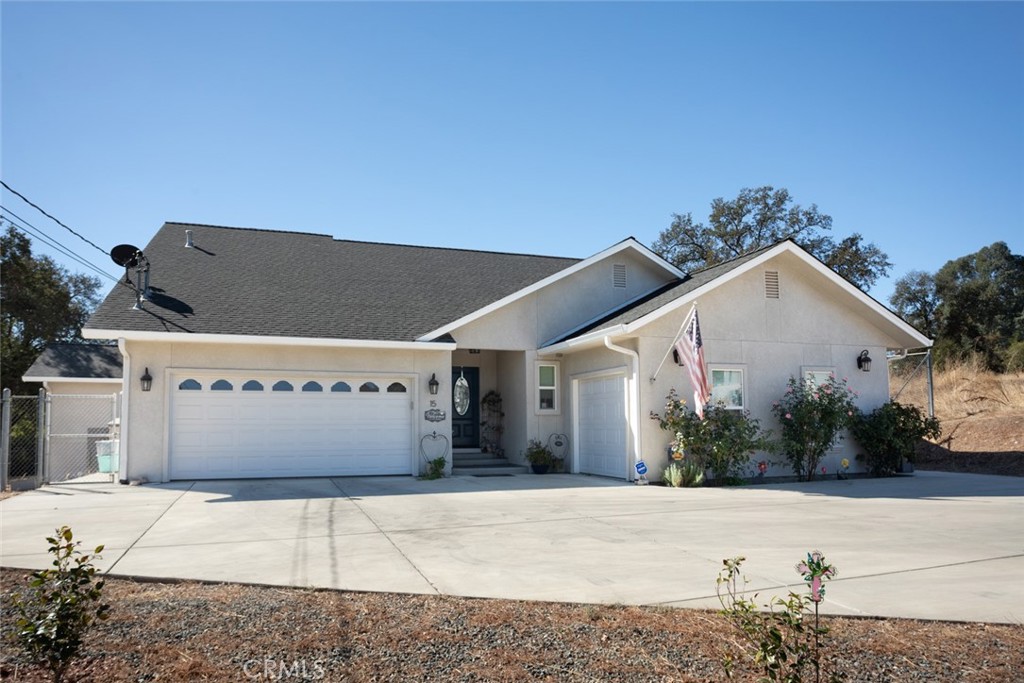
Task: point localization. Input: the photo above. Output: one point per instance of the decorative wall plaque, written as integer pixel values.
(434, 415)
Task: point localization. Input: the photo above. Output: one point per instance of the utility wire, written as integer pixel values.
(52, 218)
(26, 227)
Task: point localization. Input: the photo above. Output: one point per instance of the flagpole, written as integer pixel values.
(673, 342)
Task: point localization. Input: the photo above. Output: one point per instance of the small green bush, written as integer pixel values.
(683, 473)
(722, 442)
(63, 602)
(435, 468)
(889, 435)
(538, 454)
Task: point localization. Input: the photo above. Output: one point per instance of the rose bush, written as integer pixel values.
(811, 416)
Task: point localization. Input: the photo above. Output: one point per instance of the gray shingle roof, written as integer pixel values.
(263, 282)
(97, 361)
(665, 295)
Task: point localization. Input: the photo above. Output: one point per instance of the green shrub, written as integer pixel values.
(722, 442)
(62, 604)
(435, 468)
(812, 417)
(538, 454)
(683, 473)
(889, 435)
(777, 637)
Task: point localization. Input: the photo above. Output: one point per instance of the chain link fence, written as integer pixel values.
(59, 438)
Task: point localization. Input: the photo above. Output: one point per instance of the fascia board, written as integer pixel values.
(133, 335)
(72, 380)
(584, 341)
(629, 243)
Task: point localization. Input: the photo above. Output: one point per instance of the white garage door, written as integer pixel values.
(238, 426)
(602, 436)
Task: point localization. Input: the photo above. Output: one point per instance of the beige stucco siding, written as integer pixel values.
(552, 311)
(149, 411)
(808, 326)
(88, 388)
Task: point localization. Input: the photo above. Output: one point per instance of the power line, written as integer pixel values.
(26, 227)
(52, 218)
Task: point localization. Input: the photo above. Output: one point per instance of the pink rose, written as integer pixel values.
(788, 416)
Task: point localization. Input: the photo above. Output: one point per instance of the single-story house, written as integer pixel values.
(284, 354)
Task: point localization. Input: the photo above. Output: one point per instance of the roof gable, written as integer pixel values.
(686, 291)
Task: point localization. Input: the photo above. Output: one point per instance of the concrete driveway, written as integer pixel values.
(932, 546)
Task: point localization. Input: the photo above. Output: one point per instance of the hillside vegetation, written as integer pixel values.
(982, 415)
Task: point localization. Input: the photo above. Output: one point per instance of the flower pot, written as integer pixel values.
(539, 469)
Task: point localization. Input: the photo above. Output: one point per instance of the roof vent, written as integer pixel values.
(771, 284)
(188, 239)
(619, 275)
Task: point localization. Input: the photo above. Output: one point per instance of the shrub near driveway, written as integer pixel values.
(811, 416)
(890, 434)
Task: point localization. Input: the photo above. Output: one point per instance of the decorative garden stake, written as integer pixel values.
(816, 571)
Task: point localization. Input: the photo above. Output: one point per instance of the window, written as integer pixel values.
(396, 388)
(547, 388)
(283, 386)
(369, 387)
(252, 385)
(341, 387)
(190, 385)
(727, 388)
(817, 376)
(312, 386)
(221, 385)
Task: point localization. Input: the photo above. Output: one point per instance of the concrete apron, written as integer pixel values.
(931, 546)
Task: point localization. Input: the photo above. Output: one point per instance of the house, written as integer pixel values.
(282, 354)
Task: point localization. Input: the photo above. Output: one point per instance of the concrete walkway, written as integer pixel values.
(933, 546)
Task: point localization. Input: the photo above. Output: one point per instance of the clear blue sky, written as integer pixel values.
(530, 127)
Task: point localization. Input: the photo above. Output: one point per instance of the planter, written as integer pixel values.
(540, 469)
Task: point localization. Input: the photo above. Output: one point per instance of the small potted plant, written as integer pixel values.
(539, 456)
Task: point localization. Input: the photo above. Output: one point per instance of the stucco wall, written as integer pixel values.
(148, 411)
(771, 340)
(511, 371)
(88, 388)
(552, 311)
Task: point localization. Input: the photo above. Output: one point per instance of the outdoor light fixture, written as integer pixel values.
(864, 361)
(433, 384)
(147, 380)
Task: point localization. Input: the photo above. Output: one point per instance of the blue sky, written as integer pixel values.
(530, 127)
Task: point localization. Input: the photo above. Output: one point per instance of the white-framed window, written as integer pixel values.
(817, 375)
(546, 376)
(727, 387)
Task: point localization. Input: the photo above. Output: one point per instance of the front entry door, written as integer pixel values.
(465, 407)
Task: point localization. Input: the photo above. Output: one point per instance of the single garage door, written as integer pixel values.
(602, 436)
(240, 426)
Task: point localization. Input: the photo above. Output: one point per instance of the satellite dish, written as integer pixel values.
(125, 255)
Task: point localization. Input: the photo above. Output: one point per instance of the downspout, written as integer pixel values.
(634, 397)
(126, 383)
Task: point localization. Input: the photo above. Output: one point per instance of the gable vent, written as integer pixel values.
(619, 275)
(771, 284)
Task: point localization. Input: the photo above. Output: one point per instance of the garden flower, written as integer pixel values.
(845, 463)
(789, 416)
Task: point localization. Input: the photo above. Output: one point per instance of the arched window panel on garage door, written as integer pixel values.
(396, 388)
(283, 386)
(222, 385)
(252, 385)
(341, 387)
(190, 385)
(369, 387)
(312, 386)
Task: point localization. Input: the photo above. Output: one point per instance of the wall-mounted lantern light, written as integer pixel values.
(147, 380)
(433, 384)
(864, 361)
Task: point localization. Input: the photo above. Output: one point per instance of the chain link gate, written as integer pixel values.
(59, 439)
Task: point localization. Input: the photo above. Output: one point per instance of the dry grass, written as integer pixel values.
(962, 390)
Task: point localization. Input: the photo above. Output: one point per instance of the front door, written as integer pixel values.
(465, 407)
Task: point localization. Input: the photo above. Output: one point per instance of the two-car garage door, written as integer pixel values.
(250, 425)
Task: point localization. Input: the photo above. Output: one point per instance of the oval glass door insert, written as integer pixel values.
(460, 396)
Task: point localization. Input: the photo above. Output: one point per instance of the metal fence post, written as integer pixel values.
(931, 386)
(42, 410)
(5, 439)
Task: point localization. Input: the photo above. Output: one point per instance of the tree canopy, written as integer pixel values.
(760, 217)
(40, 302)
(974, 305)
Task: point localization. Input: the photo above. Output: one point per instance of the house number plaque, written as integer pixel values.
(434, 415)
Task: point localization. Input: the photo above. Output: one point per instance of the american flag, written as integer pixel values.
(690, 348)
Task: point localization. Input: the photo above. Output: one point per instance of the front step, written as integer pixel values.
(473, 462)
